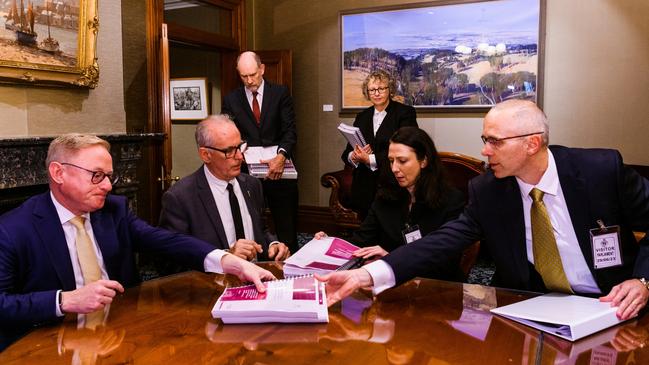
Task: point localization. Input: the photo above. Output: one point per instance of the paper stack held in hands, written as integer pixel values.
(567, 316)
(293, 300)
(321, 256)
(352, 134)
(254, 155)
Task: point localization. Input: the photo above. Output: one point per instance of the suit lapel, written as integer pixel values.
(105, 232)
(265, 103)
(577, 201)
(49, 229)
(252, 209)
(367, 127)
(388, 123)
(211, 211)
(511, 215)
(243, 100)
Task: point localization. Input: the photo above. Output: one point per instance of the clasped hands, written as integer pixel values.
(248, 250)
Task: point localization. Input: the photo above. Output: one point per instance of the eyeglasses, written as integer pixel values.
(378, 90)
(497, 142)
(232, 150)
(97, 176)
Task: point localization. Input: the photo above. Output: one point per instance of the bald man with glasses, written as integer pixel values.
(218, 203)
(552, 218)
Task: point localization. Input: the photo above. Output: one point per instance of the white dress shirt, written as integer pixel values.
(574, 263)
(260, 95)
(222, 199)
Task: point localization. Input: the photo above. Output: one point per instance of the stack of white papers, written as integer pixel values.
(294, 300)
(255, 154)
(319, 256)
(567, 316)
(352, 134)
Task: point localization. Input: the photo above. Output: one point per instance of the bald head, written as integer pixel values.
(525, 116)
(251, 70)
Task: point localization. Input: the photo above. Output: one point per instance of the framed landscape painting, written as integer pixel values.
(49, 42)
(448, 55)
(188, 98)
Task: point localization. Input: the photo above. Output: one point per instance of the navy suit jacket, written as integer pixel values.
(189, 207)
(35, 260)
(277, 124)
(596, 185)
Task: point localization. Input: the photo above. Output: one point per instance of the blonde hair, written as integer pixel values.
(380, 75)
(67, 144)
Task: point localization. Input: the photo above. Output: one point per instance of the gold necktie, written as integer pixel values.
(89, 266)
(547, 260)
(87, 256)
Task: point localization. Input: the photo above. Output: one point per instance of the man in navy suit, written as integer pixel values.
(199, 204)
(43, 273)
(264, 114)
(584, 189)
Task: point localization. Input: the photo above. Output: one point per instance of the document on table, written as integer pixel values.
(321, 256)
(567, 316)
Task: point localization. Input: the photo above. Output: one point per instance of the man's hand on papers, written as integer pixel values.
(91, 297)
(246, 249)
(362, 154)
(320, 235)
(371, 253)
(630, 297)
(341, 284)
(278, 251)
(275, 166)
(246, 271)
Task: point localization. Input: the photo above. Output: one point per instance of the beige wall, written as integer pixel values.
(32, 111)
(596, 79)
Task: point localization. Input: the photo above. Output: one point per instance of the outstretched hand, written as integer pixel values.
(341, 284)
(246, 271)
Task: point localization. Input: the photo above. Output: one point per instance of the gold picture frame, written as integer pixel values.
(49, 43)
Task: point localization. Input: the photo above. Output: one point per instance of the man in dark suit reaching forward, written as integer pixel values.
(218, 203)
(539, 211)
(264, 114)
(72, 249)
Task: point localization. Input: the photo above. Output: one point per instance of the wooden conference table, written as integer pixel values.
(168, 321)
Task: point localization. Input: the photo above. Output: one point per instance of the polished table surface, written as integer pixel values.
(168, 321)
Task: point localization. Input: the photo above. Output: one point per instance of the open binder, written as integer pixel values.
(322, 256)
(293, 300)
(567, 316)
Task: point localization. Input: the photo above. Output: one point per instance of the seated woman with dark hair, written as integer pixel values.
(413, 200)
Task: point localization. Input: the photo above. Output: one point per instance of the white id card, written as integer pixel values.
(605, 242)
(411, 234)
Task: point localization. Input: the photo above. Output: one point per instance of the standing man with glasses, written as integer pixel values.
(377, 124)
(552, 218)
(72, 249)
(217, 203)
(264, 114)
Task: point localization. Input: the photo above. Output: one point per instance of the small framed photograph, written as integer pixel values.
(188, 98)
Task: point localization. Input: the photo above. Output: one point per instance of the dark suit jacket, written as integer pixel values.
(596, 185)
(189, 207)
(386, 221)
(277, 125)
(35, 260)
(364, 182)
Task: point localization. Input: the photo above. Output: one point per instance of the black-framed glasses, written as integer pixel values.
(229, 152)
(97, 176)
(497, 142)
(378, 90)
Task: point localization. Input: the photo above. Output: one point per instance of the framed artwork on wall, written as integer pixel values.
(455, 55)
(188, 98)
(49, 42)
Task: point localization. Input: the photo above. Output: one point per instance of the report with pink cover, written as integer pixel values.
(319, 256)
(293, 300)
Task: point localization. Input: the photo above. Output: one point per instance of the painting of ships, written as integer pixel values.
(22, 23)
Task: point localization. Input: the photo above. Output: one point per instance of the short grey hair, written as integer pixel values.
(63, 146)
(203, 136)
(528, 115)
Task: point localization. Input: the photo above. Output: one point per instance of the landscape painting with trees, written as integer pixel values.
(463, 55)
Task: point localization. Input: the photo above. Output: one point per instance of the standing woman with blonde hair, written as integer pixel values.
(377, 123)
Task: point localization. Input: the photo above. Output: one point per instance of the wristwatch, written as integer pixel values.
(644, 282)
